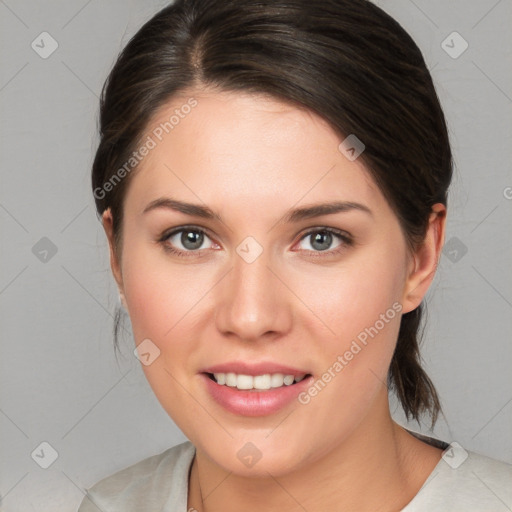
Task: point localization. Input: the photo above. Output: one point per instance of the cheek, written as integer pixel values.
(353, 318)
(160, 294)
(167, 305)
(170, 304)
(352, 296)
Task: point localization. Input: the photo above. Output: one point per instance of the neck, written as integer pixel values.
(379, 467)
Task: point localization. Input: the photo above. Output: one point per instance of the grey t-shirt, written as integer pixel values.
(461, 482)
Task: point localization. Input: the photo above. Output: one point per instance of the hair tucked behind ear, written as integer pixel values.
(345, 60)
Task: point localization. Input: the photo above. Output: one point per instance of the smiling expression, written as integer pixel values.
(248, 237)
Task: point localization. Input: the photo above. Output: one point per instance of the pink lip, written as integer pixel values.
(262, 368)
(255, 402)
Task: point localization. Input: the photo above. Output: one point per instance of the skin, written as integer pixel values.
(250, 159)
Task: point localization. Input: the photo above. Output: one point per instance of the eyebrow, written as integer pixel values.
(194, 210)
(292, 216)
(317, 210)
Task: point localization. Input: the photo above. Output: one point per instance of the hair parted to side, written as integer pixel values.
(346, 60)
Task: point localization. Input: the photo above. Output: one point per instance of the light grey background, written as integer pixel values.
(60, 381)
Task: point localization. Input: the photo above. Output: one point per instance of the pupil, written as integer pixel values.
(191, 239)
(323, 241)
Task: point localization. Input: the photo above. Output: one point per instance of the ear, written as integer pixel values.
(115, 264)
(425, 259)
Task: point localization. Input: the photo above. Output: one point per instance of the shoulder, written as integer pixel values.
(466, 481)
(161, 480)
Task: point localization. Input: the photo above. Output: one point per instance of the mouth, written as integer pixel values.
(258, 388)
(261, 394)
(263, 382)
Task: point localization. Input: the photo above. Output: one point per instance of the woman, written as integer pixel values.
(272, 179)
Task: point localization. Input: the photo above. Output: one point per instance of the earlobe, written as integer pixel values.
(425, 260)
(108, 226)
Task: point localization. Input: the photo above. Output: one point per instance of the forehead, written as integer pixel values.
(232, 146)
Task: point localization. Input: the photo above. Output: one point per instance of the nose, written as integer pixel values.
(252, 303)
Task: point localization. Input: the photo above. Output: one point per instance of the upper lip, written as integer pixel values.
(240, 367)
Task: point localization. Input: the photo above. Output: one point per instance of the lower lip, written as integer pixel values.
(254, 402)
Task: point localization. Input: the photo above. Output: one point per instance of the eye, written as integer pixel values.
(186, 240)
(322, 240)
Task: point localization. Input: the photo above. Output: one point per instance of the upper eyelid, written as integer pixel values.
(172, 231)
(334, 231)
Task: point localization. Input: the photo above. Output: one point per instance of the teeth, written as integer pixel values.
(277, 380)
(288, 379)
(231, 379)
(261, 382)
(244, 382)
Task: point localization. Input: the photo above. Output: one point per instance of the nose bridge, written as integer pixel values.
(251, 302)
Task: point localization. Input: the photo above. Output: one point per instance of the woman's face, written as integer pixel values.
(321, 295)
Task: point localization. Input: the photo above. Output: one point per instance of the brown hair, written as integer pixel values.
(346, 60)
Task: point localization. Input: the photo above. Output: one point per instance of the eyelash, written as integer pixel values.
(346, 241)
